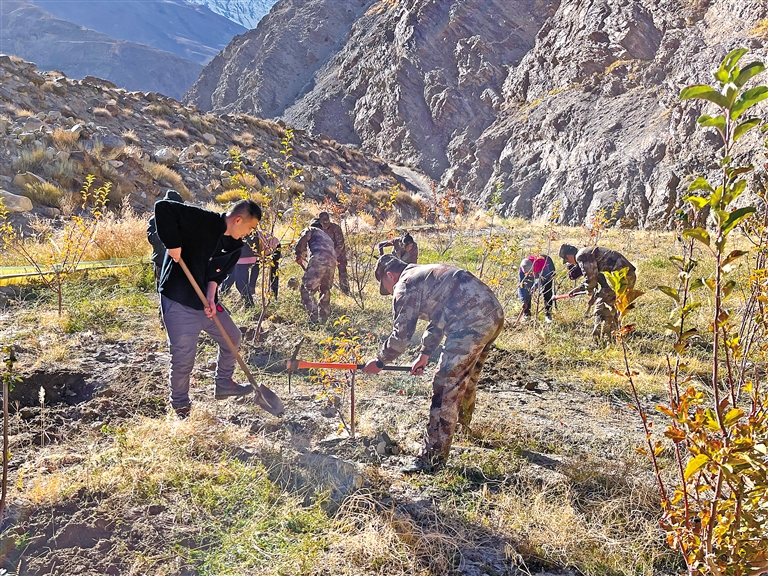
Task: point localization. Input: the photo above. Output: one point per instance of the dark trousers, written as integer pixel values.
(245, 276)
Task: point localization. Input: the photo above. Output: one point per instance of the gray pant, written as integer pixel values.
(183, 326)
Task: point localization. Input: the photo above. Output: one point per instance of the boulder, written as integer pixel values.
(165, 156)
(111, 144)
(210, 139)
(14, 202)
(27, 179)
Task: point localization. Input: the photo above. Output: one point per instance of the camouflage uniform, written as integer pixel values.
(465, 311)
(398, 249)
(334, 231)
(318, 276)
(593, 262)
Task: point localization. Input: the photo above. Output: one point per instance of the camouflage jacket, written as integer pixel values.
(334, 231)
(398, 249)
(595, 260)
(451, 299)
(319, 243)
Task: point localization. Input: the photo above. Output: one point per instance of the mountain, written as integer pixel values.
(188, 30)
(246, 12)
(32, 33)
(545, 101)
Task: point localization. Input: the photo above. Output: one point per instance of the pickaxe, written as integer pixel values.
(264, 396)
(295, 364)
(569, 295)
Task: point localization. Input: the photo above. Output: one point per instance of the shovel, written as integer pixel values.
(264, 396)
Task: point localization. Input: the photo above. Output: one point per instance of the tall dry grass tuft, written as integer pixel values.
(30, 160)
(44, 194)
(167, 176)
(64, 139)
(121, 235)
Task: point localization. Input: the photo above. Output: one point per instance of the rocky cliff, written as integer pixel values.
(32, 33)
(188, 30)
(549, 100)
(55, 130)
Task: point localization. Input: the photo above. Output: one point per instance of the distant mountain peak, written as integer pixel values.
(248, 13)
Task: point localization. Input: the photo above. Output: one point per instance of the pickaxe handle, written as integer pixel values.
(300, 364)
(564, 296)
(264, 396)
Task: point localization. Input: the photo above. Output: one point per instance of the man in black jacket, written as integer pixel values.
(210, 244)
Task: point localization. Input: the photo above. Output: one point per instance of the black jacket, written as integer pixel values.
(209, 255)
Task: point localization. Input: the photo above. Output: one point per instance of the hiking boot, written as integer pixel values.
(425, 465)
(231, 388)
(548, 318)
(182, 412)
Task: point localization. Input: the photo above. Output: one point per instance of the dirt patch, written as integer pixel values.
(60, 386)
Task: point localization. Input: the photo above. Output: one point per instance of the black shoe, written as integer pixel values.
(182, 412)
(421, 464)
(230, 389)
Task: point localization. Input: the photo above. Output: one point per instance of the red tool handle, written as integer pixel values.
(300, 364)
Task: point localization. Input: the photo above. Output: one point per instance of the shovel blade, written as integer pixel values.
(269, 401)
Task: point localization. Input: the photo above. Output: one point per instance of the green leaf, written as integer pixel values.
(745, 127)
(736, 216)
(700, 184)
(702, 92)
(748, 99)
(694, 465)
(748, 72)
(733, 58)
(708, 121)
(734, 191)
(697, 202)
(698, 233)
(696, 284)
(733, 415)
(733, 256)
(671, 292)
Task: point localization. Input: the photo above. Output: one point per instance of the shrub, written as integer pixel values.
(130, 136)
(158, 110)
(179, 133)
(167, 177)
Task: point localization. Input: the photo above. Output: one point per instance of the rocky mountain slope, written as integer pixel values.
(188, 30)
(55, 130)
(245, 12)
(549, 101)
(31, 33)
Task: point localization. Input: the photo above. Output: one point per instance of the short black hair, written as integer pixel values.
(245, 209)
(315, 223)
(567, 249)
(408, 239)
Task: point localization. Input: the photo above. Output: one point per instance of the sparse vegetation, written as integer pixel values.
(44, 194)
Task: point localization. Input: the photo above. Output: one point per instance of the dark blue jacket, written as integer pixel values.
(209, 255)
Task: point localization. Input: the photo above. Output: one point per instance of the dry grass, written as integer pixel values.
(63, 139)
(121, 235)
(130, 136)
(158, 109)
(760, 30)
(30, 160)
(102, 113)
(178, 133)
(166, 176)
(18, 111)
(162, 123)
(44, 194)
(245, 139)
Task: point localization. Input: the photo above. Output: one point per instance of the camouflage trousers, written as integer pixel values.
(317, 278)
(343, 276)
(455, 383)
(606, 318)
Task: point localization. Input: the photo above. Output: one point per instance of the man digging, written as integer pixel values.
(459, 308)
(210, 246)
(592, 262)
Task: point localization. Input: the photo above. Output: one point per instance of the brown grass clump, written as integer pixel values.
(179, 133)
(44, 194)
(19, 112)
(121, 235)
(245, 139)
(166, 176)
(158, 110)
(130, 136)
(102, 113)
(64, 139)
(236, 194)
(163, 123)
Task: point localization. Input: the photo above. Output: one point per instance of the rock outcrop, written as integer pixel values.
(54, 131)
(31, 33)
(549, 101)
